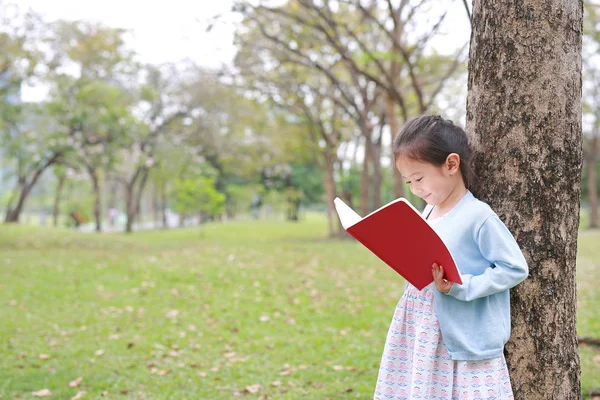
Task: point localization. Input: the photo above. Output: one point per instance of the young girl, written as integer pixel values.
(446, 341)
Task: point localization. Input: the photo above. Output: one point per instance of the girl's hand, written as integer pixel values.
(441, 284)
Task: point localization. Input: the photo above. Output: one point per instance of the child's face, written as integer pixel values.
(432, 183)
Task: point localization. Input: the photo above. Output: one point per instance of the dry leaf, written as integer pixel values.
(252, 388)
(105, 393)
(99, 352)
(264, 318)
(276, 383)
(44, 357)
(163, 372)
(172, 314)
(202, 374)
(76, 382)
(78, 396)
(338, 367)
(42, 393)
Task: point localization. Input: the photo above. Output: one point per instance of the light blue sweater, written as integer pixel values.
(475, 316)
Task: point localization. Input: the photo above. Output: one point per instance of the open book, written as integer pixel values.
(402, 238)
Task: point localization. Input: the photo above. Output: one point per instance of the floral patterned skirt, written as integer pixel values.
(416, 363)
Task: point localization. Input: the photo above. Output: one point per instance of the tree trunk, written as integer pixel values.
(135, 189)
(365, 181)
(163, 205)
(56, 209)
(524, 119)
(155, 206)
(14, 213)
(329, 183)
(392, 119)
(97, 198)
(377, 176)
(592, 162)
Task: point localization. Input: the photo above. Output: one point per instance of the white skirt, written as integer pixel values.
(416, 364)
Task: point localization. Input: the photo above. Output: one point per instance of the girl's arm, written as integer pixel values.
(507, 263)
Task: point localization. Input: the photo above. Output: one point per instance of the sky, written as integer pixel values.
(174, 30)
(160, 31)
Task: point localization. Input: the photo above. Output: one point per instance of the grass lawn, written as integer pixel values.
(257, 310)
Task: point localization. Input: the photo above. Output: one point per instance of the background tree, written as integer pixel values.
(524, 117)
(591, 107)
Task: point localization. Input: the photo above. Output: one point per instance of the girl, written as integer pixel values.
(446, 341)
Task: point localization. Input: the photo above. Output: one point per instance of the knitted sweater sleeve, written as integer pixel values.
(506, 264)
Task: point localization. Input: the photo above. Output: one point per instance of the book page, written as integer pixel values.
(348, 216)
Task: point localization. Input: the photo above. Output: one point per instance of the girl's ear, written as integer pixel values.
(452, 163)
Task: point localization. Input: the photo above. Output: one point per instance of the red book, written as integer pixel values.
(402, 238)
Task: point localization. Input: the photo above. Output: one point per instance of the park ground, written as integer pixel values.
(249, 309)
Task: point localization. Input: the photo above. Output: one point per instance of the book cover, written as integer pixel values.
(402, 238)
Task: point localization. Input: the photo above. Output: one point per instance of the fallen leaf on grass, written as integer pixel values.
(44, 357)
(202, 374)
(264, 318)
(276, 383)
(252, 388)
(338, 367)
(99, 352)
(78, 396)
(287, 370)
(42, 393)
(163, 372)
(76, 382)
(172, 314)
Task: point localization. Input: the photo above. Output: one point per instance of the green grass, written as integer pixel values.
(208, 313)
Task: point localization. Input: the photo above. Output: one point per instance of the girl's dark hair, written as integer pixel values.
(430, 139)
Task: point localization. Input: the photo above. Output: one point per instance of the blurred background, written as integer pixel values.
(118, 116)
(220, 132)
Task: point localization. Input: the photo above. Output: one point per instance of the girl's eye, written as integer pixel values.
(419, 180)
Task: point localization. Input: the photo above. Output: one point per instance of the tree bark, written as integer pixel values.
(365, 181)
(330, 193)
(163, 205)
(377, 175)
(97, 198)
(524, 119)
(56, 209)
(24, 189)
(133, 196)
(592, 161)
(392, 119)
